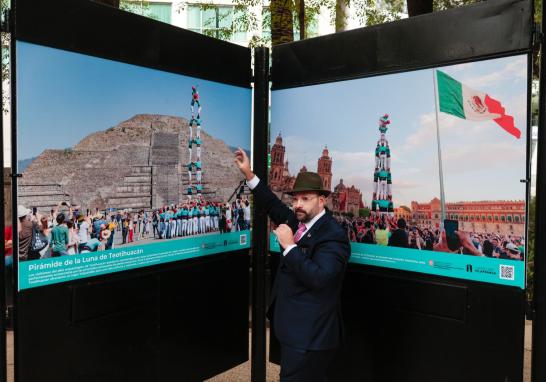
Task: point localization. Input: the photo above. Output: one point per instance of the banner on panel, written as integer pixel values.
(424, 166)
(124, 166)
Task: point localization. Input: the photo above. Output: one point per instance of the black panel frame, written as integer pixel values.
(3, 283)
(538, 366)
(419, 42)
(164, 333)
(259, 236)
(379, 330)
(97, 30)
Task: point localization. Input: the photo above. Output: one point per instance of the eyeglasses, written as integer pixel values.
(303, 198)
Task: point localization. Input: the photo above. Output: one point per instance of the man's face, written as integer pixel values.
(307, 205)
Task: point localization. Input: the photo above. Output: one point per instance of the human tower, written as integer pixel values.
(382, 192)
(194, 166)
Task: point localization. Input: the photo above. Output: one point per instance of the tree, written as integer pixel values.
(364, 212)
(5, 41)
(370, 12)
(139, 7)
(342, 15)
(282, 22)
(301, 18)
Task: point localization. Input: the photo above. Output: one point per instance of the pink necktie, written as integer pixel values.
(299, 232)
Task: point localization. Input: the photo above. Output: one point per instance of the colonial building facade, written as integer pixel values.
(343, 199)
(499, 216)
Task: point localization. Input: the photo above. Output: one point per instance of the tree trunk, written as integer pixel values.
(112, 3)
(282, 22)
(301, 19)
(342, 15)
(419, 7)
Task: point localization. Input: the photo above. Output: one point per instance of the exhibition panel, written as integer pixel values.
(420, 130)
(137, 229)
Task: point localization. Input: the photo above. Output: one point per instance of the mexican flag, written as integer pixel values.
(459, 100)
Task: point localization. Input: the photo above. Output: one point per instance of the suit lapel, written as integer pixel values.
(309, 235)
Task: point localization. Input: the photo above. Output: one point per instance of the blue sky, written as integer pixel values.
(64, 96)
(480, 160)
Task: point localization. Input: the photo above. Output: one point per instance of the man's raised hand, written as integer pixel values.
(243, 163)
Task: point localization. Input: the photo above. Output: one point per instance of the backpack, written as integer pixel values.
(39, 242)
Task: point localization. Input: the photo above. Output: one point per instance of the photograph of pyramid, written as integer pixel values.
(119, 156)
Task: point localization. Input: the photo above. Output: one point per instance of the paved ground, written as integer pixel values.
(241, 373)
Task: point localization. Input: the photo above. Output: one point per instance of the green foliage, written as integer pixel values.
(5, 41)
(364, 212)
(442, 5)
(139, 7)
(372, 12)
(228, 21)
(244, 18)
(368, 12)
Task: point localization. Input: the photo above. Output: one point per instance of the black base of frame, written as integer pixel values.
(187, 323)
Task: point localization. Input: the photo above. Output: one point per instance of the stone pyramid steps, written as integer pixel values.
(165, 156)
(135, 191)
(44, 197)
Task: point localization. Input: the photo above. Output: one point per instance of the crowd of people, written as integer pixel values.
(389, 231)
(67, 230)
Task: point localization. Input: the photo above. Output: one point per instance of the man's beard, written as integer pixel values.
(303, 216)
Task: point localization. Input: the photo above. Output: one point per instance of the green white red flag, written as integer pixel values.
(457, 99)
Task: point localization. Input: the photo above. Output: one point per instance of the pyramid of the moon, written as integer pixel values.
(137, 164)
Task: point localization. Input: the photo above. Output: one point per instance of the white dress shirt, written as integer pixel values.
(252, 183)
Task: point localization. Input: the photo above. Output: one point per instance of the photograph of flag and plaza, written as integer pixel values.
(425, 167)
(124, 166)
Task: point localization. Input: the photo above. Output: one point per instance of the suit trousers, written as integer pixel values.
(300, 365)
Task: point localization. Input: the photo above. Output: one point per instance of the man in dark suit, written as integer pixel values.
(305, 300)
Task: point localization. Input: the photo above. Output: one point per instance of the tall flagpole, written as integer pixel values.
(442, 195)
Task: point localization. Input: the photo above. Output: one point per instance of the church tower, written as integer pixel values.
(277, 164)
(324, 169)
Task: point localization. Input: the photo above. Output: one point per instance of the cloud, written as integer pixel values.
(301, 151)
(405, 185)
(515, 69)
(460, 67)
(482, 157)
(426, 132)
(361, 181)
(355, 168)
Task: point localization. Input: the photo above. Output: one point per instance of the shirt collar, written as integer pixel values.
(309, 224)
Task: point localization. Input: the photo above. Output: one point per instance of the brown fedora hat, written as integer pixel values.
(307, 181)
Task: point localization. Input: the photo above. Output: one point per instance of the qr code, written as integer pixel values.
(506, 272)
(242, 240)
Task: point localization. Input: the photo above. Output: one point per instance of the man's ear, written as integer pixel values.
(323, 199)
